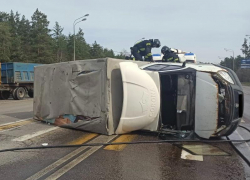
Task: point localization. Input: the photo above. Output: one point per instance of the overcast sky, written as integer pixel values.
(204, 27)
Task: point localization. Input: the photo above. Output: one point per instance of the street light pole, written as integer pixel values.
(74, 24)
(230, 50)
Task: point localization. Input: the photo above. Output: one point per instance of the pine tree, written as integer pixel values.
(41, 41)
(24, 34)
(70, 47)
(60, 43)
(96, 51)
(108, 53)
(82, 48)
(15, 38)
(245, 48)
(5, 42)
(4, 17)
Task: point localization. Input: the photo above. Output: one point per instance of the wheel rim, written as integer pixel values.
(21, 93)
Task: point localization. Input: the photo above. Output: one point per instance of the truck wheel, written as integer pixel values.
(5, 94)
(30, 93)
(14, 94)
(20, 93)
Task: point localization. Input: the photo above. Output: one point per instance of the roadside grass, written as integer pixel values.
(245, 83)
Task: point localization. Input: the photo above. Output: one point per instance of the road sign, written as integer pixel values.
(245, 63)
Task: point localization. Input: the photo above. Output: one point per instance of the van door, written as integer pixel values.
(141, 99)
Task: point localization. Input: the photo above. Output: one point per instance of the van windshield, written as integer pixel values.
(177, 100)
(162, 67)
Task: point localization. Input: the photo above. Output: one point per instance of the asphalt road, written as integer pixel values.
(246, 115)
(141, 161)
(11, 110)
(241, 133)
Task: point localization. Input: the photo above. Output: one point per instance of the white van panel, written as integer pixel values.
(206, 105)
(156, 78)
(141, 99)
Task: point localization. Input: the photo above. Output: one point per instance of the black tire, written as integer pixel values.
(229, 130)
(5, 95)
(20, 93)
(14, 94)
(30, 93)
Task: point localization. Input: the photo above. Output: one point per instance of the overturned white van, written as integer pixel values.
(111, 96)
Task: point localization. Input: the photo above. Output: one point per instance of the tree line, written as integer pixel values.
(24, 40)
(236, 61)
(243, 74)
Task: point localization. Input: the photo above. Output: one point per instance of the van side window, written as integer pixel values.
(162, 67)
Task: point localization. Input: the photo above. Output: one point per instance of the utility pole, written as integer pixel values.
(74, 24)
(230, 50)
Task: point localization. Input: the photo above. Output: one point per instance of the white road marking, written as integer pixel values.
(62, 160)
(16, 121)
(77, 160)
(38, 133)
(188, 156)
(56, 164)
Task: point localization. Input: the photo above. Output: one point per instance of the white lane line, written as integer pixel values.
(77, 160)
(38, 133)
(56, 164)
(14, 122)
(62, 160)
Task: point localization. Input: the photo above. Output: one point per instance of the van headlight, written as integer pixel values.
(226, 76)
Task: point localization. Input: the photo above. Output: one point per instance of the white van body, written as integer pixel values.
(111, 96)
(206, 90)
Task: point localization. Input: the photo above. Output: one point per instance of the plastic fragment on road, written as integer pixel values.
(204, 149)
(186, 155)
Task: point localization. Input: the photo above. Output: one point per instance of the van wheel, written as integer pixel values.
(5, 95)
(30, 93)
(231, 130)
(20, 93)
